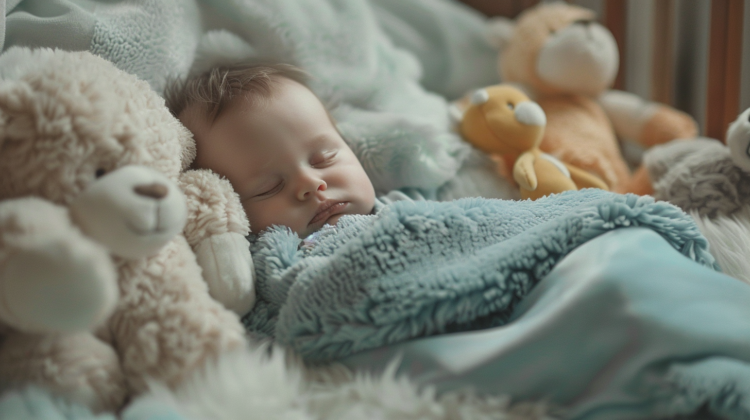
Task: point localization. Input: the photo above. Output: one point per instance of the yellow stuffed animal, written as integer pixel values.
(501, 120)
(566, 62)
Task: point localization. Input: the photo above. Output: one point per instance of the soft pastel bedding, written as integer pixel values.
(559, 299)
(623, 327)
(420, 268)
(630, 318)
(400, 131)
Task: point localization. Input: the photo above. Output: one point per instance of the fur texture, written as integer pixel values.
(698, 176)
(66, 121)
(422, 268)
(272, 384)
(729, 240)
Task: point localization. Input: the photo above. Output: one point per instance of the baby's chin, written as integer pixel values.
(334, 219)
(304, 233)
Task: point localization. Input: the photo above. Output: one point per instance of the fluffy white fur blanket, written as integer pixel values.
(269, 383)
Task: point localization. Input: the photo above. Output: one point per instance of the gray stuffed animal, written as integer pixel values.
(703, 175)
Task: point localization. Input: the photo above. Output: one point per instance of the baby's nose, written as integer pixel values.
(311, 188)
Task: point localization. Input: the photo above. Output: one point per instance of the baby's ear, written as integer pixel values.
(499, 31)
(457, 108)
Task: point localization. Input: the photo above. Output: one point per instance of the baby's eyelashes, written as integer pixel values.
(324, 158)
(267, 192)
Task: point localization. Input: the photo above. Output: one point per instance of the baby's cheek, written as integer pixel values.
(265, 214)
(256, 223)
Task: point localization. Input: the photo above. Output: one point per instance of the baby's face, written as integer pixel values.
(285, 159)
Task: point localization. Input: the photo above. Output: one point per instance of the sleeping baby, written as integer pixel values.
(385, 270)
(270, 136)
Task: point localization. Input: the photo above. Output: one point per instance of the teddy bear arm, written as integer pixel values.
(627, 112)
(176, 328)
(667, 124)
(523, 171)
(661, 159)
(52, 278)
(78, 367)
(213, 206)
(647, 123)
(216, 229)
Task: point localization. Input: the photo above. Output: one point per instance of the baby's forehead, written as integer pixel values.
(279, 106)
(247, 96)
(197, 116)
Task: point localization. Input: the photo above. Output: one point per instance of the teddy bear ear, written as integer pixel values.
(456, 114)
(498, 32)
(479, 97)
(14, 102)
(187, 144)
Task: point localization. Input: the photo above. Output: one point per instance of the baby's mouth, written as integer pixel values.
(328, 209)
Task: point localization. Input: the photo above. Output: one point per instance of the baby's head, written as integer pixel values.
(270, 136)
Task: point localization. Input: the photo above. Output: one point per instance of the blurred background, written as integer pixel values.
(666, 51)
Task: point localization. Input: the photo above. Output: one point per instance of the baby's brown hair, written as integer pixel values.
(216, 88)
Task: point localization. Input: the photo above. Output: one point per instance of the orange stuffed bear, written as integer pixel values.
(566, 62)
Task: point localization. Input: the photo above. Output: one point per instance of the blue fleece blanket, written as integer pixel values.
(623, 328)
(423, 268)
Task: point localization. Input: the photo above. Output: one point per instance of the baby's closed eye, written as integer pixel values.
(323, 158)
(266, 191)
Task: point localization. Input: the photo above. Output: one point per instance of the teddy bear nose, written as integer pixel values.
(154, 190)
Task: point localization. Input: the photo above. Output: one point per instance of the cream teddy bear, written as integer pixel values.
(92, 206)
(566, 62)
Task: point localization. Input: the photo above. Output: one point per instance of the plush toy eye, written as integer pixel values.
(100, 172)
(510, 106)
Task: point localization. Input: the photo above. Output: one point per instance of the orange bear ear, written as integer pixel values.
(456, 114)
(479, 97)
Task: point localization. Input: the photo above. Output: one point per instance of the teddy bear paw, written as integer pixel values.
(78, 367)
(60, 285)
(228, 270)
(667, 124)
(99, 382)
